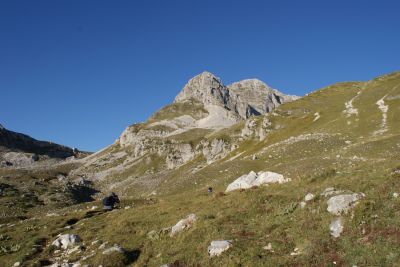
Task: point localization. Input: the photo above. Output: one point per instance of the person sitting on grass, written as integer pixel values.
(110, 201)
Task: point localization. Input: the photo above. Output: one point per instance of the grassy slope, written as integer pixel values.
(256, 217)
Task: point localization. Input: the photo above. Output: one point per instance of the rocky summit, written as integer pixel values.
(226, 175)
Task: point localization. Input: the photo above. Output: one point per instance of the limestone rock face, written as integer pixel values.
(206, 88)
(214, 150)
(253, 97)
(217, 247)
(181, 154)
(245, 98)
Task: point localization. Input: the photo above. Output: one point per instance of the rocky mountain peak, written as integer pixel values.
(205, 88)
(243, 99)
(250, 84)
(1, 127)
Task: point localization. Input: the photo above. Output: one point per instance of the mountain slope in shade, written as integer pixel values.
(19, 142)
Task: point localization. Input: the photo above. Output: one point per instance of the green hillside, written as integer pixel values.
(345, 136)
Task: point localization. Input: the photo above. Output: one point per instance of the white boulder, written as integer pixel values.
(309, 197)
(340, 204)
(269, 178)
(183, 224)
(243, 182)
(67, 240)
(336, 227)
(256, 179)
(217, 247)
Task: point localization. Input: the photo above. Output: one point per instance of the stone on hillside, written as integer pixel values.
(303, 204)
(295, 252)
(256, 179)
(217, 247)
(395, 195)
(268, 247)
(114, 249)
(183, 224)
(340, 204)
(67, 240)
(336, 227)
(309, 197)
(270, 177)
(243, 182)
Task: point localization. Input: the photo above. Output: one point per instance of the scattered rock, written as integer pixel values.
(340, 204)
(268, 247)
(303, 204)
(183, 224)
(103, 246)
(309, 197)
(336, 227)
(395, 195)
(217, 247)
(17, 264)
(67, 240)
(256, 179)
(114, 249)
(295, 252)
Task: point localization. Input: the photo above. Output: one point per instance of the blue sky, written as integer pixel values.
(79, 72)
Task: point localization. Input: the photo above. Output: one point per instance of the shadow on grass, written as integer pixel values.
(132, 255)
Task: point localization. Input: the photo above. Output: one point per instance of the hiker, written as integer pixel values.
(210, 190)
(110, 201)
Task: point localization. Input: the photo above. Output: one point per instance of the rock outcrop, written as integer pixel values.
(66, 241)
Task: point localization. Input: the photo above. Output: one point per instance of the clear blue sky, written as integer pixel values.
(79, 72)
